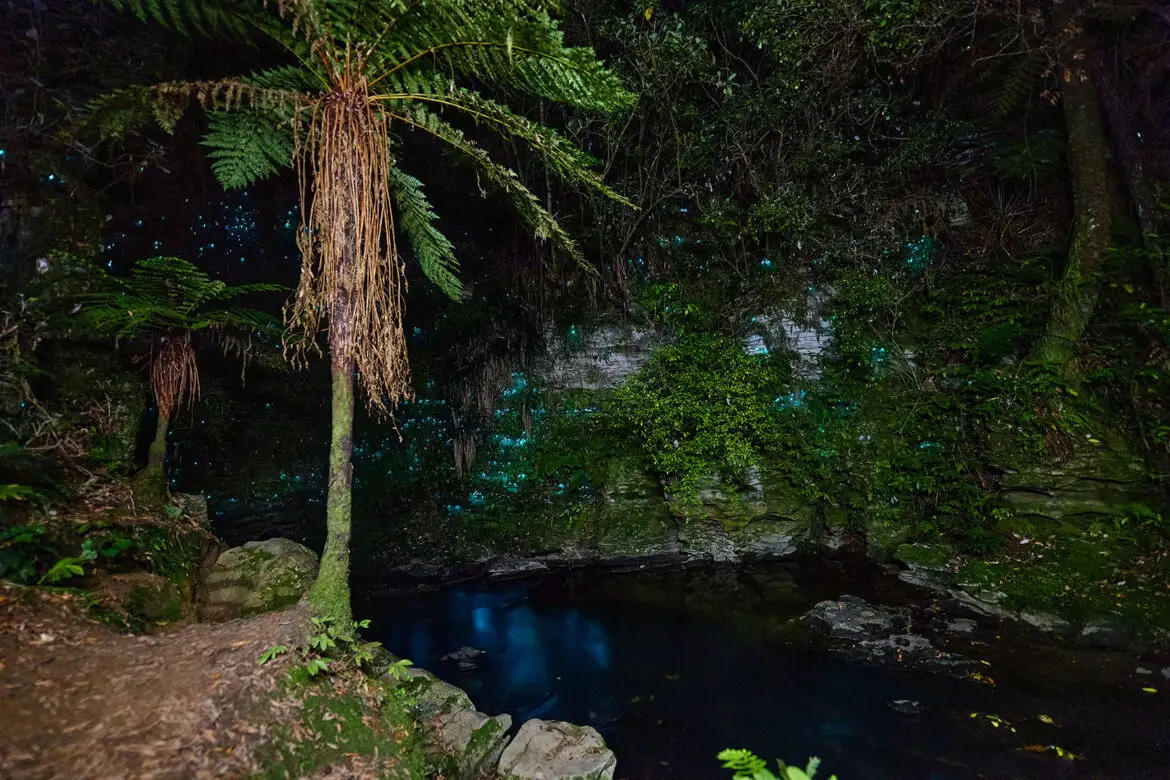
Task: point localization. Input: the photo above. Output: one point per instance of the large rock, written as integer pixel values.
(553, 750)
(257, 577)
(852, 618)
(601, 359)
(1095, 481)
(464, 742)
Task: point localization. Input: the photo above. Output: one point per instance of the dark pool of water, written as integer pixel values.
(672, 666)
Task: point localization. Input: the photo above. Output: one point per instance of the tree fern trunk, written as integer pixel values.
(157, 454)
(330, 593)
(1093, 207)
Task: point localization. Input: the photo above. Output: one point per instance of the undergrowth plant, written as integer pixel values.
(333, 647)
(746, 765)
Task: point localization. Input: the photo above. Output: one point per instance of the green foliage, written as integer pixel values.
(426, 56)
(70, 566)
(171, 295)
(701, 408)
(341, 642)
(416, 219)
(248, 145)
(746, 765)
(21, 547)
(272, 654)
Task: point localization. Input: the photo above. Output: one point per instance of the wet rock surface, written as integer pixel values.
(554, 750)
(881, 635)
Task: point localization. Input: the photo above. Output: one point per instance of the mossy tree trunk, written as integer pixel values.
(330, 593)
(157, 454)
(1093, 199)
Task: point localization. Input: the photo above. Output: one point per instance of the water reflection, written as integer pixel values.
(672, 667)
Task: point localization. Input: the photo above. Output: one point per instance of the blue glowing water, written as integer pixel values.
(673, 666)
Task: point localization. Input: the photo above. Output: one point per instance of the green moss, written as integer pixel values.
(1081, 578)
(336, 725)
(925, 555)
(157, 605)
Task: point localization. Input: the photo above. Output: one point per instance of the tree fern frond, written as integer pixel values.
(167, 294)
(564, 158)
(1024, 72)
(121, 113)
(235, 18)
(508, 43)
(416, 220)
(543, 225)
(248, 145)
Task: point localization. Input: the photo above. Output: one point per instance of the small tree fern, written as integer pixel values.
(361, 74)
(164, 301)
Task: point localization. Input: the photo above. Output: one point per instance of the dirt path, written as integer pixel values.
(78, 700)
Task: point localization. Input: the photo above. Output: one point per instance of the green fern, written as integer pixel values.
(170, 295)
(746, 765)
(248, 145)
(421, 60)
(416, 219)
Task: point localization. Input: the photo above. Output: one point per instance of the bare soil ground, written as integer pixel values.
(81, 701)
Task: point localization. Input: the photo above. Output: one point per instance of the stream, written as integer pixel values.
(673, 665)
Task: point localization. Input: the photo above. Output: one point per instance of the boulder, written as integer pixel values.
(1103, 632)
(553, 750)
(464, 742)
(906, 706)
(900, 648)
(1046, 622)
(471, 740)
(257, 577)
(961, 627)
(852, 618)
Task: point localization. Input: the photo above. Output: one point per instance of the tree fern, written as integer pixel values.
(248, 145)
(416, 219)
(369, 68)
(170, 295)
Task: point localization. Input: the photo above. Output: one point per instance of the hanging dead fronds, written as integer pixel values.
(352, 274)
(173, 374)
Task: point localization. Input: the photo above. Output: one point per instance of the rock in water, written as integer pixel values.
(463, 742)
(257, 577)
(906, 706)
(553, 750)
(466, 658)
(851, 618)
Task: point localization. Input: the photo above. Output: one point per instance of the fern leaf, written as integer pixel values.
(416, 219)
(248, 145)
(543, 225)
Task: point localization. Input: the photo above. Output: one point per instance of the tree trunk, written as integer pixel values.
(1093, 207)
(157, 455)
(330, 593)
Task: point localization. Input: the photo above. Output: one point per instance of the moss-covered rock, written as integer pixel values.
(141, 601)
(461, 741)
(552, 750)
(1097, 480)
(257, 577)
